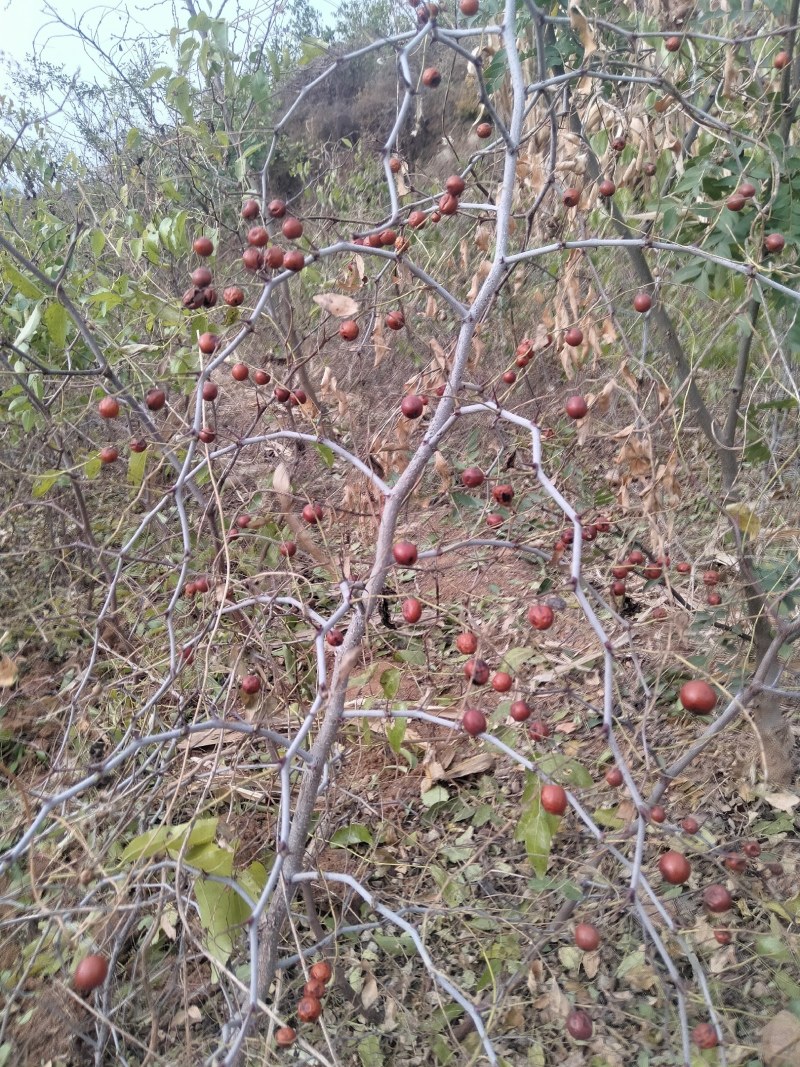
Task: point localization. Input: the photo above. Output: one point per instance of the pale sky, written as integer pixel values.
(25, 24)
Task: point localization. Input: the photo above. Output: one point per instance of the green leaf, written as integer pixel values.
(56, 319)
(170, 839)
(24, 285)
(156, 76)
(44, 482)
(566, 771)
(352, 834)
(535, 828)
(29, 329)
(437, 795)
(92, 466)
(395, 735)
(253, 879)
(210, 858)
(221, 911)
(137, 462)
(326, 454)
(390, 682)
(369, 1051)
(514, 659)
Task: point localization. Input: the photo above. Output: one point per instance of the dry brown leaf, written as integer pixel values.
(341, 307)
(379, 342)
(478, 278)
(483, 237)
(780, 1041)
(9, 672)
(369, 992)
(431, 310)
(480, 763)
(464, 249)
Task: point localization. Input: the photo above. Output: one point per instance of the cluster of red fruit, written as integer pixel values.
(108, 408)
(309, 1007)
(257, 256)
(653, 570)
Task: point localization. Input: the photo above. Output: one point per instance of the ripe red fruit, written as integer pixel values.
(90, 973)
(649, 169)
(257, 237)
(431, 77)
(155, 399)
(412, 406)
(589, 533)
(348, 330)
(697, 697)
(203, 246)
(735, 862)
(412, 609)
(472, 477)
(287, 548)
(298, 397)
(274, 257)
(294, 260)
(201, 277)
(233, 296)
(713, 598)
(642, 302)
(494, 520)
(606, 187)
(573, 337)
(571, 197)
(618, 144)
(190, 589)
(455, 184)
(468, 7)
(108, 407)
(395, 320)
(657, 813)
(541, 616)
(474, 722)
(312, 514)
(251, 684)
(587, 937)
(109, 454)
(405, 553)
(652, 572)
(201, 585)
(395, 166)
(240, 372)
(520, 711)
(334, 638)
(747, 190)
(321, 971)
(684, 568)
(285, 1036)
(276, 209)
(249, 209)
(210, 391)
(735, 202)
(467, 643)
(672, 44)
(416, 219)
(620, 571)
(717, 899)
(509, 377)
(137, 445)
(690, 825)
(751, 849)
(674, 868)
(243, 521)
(774, 242)
(502, 682)
(477, 671)
(636, 557)
(388, 237)
(781, 60)
(260, 377)
(503, 494)
(314, 988)
(483, 130)
(281, 394)
(206, 435)
(207, 342)
(614, 777)
(448, 205)
(538, 730)
(576, 407)
(704, 1035)
(554, 799)
(292, 229)
(309, 1009)
(724, 937)
(618, 588)
(579, 1025)
(252, 259)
